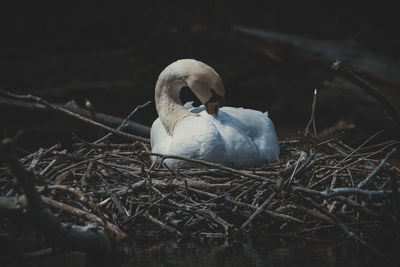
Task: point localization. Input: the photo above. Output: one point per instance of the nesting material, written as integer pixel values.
(316, 185)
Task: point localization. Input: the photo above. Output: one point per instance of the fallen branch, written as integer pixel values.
(325, 52)
(369, 89)
(86, 215)
(354, 190)
(113, 121)
(370, 176)
(162, 225)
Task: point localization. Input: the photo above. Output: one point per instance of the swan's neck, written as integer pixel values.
(169, 106)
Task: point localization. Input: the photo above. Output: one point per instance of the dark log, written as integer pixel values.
(361, 60)
(71, 114)
(369, 88)
(113, 121)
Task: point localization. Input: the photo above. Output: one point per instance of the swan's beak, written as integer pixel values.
(212, 107)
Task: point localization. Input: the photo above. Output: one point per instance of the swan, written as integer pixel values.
(230, 136)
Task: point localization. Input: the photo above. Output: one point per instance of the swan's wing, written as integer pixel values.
(257, 126)
(196, 137)
(193, 137)
(237, 137)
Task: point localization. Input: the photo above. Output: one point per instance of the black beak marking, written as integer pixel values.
(216, 98)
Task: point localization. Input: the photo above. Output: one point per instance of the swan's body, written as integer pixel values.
(231, 136)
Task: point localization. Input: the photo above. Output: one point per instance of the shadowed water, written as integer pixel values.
(305, 253)
(276, 252)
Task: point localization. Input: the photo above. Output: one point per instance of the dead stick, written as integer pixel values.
(227, 199)
(312, 117)
(161, 224)
(119, 128)
(376, 170)
(258, 211)
(105, 145)
(356, 205)
(87, 215)
(311, 212)
(124, 122)
(116, 202)
(343, 199)
(138, 213)
(217, 219)
(344, 191)
(82, 197)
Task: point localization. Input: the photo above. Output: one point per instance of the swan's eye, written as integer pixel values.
(187, 95)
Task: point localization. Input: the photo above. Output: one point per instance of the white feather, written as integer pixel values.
(236, 137)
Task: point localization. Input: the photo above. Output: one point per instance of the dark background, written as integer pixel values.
(111, 52)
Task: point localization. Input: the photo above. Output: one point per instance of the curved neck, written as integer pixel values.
(168, 103)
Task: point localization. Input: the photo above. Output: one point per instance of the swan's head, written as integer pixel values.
(203, 80)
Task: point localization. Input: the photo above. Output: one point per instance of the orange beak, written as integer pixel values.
(212, 107)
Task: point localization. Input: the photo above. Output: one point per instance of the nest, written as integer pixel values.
(316, 185)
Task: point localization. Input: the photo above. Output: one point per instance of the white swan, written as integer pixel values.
(230, 136)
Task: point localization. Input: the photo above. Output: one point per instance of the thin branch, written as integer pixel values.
(161, 224)
(370, 176)
(124, 123)
(354, 190)
(258, 211)
(312, 117)
(131, 126)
